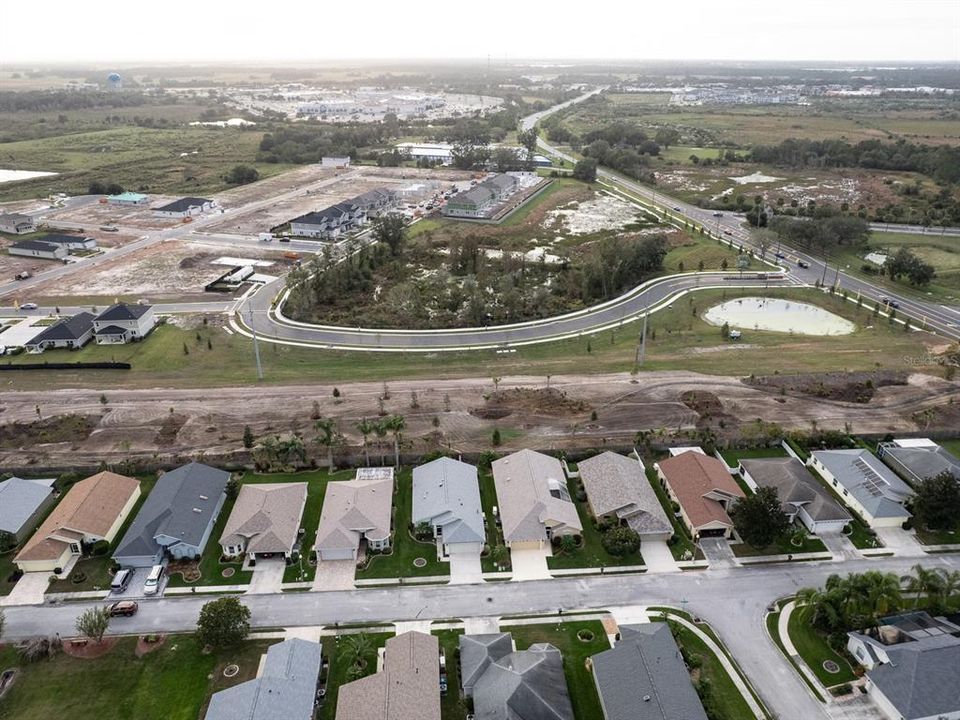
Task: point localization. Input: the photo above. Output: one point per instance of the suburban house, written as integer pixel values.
(355, 512)
(265, 520)
(446, 496)
(867, 485)
(643, 677)
(330, 222)
(335, 161)
(185, 207)
(17, 223)
(618, 490)
(407, 687)
(801, 496)
(911, 662)
(919, 459)
(535, 504)
(93, 509)
(505, 683)
(704, 489)
(285, 687)
(374, 202)
(71, 333)
(38, 249)
(22, 504)
(177, 517)
(128, 198)
(122, 323)
(70, 242)
(479, 201)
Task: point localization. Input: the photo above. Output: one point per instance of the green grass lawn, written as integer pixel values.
(97, 569)
(725, 698)
(938, 537)
(772, 621)
(952, 446)
(677, 338)
(399, 562)
(452, 705)
(170, 683)
(813, 648)
(782, 546)
(583, 691)
(733, 456)
(591, 553)
(488, 500)
(6, 569)
(682, 541)
(340, 662)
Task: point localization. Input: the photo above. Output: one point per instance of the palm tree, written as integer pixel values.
(357, 648)
(380, 429)
(923, 583)
(823, 607)
(882, 593)
(365, 427)
(949, 586)
(499, 555)
(396, 424)
(327, 436)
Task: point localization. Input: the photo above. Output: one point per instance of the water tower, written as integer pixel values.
(114, 81)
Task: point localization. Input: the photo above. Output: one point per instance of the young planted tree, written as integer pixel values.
(223, 622)
(365, 428)
(247, 437)
(93, 623)
(396, 425)
(327, 437)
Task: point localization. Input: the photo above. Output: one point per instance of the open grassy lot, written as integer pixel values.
(677, 339)
(813, 648)
(341, 661)
(591, 553)
(95, 571)
(170, 683)
(452, 705)
(563, 636)
(140, 159)
(399, 561)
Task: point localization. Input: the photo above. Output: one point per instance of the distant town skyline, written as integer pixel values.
(285, 31)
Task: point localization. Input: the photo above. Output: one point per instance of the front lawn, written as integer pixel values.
(938, 537)
(583, 691)
(733, 456)
(169, 683)
(398, 562)
(812, 646)
(723, 697)
(591, 553)
(782, 546)
(340, 669)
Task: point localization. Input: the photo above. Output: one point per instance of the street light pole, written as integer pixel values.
(256, 344)
(642, 347)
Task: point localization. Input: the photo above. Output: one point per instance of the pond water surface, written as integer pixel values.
(778, 315)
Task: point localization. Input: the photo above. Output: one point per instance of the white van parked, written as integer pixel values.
(152, 585)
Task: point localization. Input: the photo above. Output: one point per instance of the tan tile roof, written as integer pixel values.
(355, 508)
(524, 481)
(266, 516)
(408, 687)
(90, 507)
(691, 476)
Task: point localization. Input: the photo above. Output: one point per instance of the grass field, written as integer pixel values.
(170, 683)
(814, 650)
(139, 159)
(563, 636)
(941, 251)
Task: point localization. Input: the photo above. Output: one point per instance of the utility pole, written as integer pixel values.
(642, 346)
(826, 258)
(256, 344)
(836, 277)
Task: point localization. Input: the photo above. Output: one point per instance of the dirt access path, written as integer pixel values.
(456, 414)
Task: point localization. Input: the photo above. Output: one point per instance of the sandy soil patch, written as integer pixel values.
(604, 212)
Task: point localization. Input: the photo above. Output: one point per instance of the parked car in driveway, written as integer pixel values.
(121, 580)
(123, 608)
(152, 585)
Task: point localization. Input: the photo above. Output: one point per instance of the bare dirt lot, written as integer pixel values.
(675, 404)
(94, 215)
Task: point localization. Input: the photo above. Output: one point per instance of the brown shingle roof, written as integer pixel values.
(91, 507)
(691, 476)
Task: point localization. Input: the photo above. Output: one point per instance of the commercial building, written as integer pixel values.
(866, 485)
(265, 520)
(356, 513)
(801, 496)
(70, 333)
(17, 223)
(38, 249)
(534, 501)
(643, 677)
(122, 323)
(93, 509)
(177, 517)
(446, 496)
(434, 153)
(704, 489)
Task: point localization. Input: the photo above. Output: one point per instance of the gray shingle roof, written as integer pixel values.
(873, 484)
(184, 204)
(795, 487)
(266, 516)
(71, 328)
(35, 245)
(644, 677)
(446, 492)
(171, 509)
(921, 678)
(123, 311)
(353, 509)
(616, 484)
(477, 653)
(20, 499)
(285, 690)
(525, 684)
(924, 462)
(63, 238)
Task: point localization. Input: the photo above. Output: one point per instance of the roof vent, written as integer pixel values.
(204, 497)
(646, 698)
(197, 510)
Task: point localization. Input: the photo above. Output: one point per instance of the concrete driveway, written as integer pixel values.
(29, 590)
(902, 542)
(657, 557)
(840, 547)
(267, 576)
(530, 564)
(334, 575)
(465, 568)
(718, 552)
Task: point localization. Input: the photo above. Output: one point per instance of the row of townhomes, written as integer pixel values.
(344, 217)
(117, 325)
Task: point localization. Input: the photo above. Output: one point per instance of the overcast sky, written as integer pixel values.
(306, 30)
